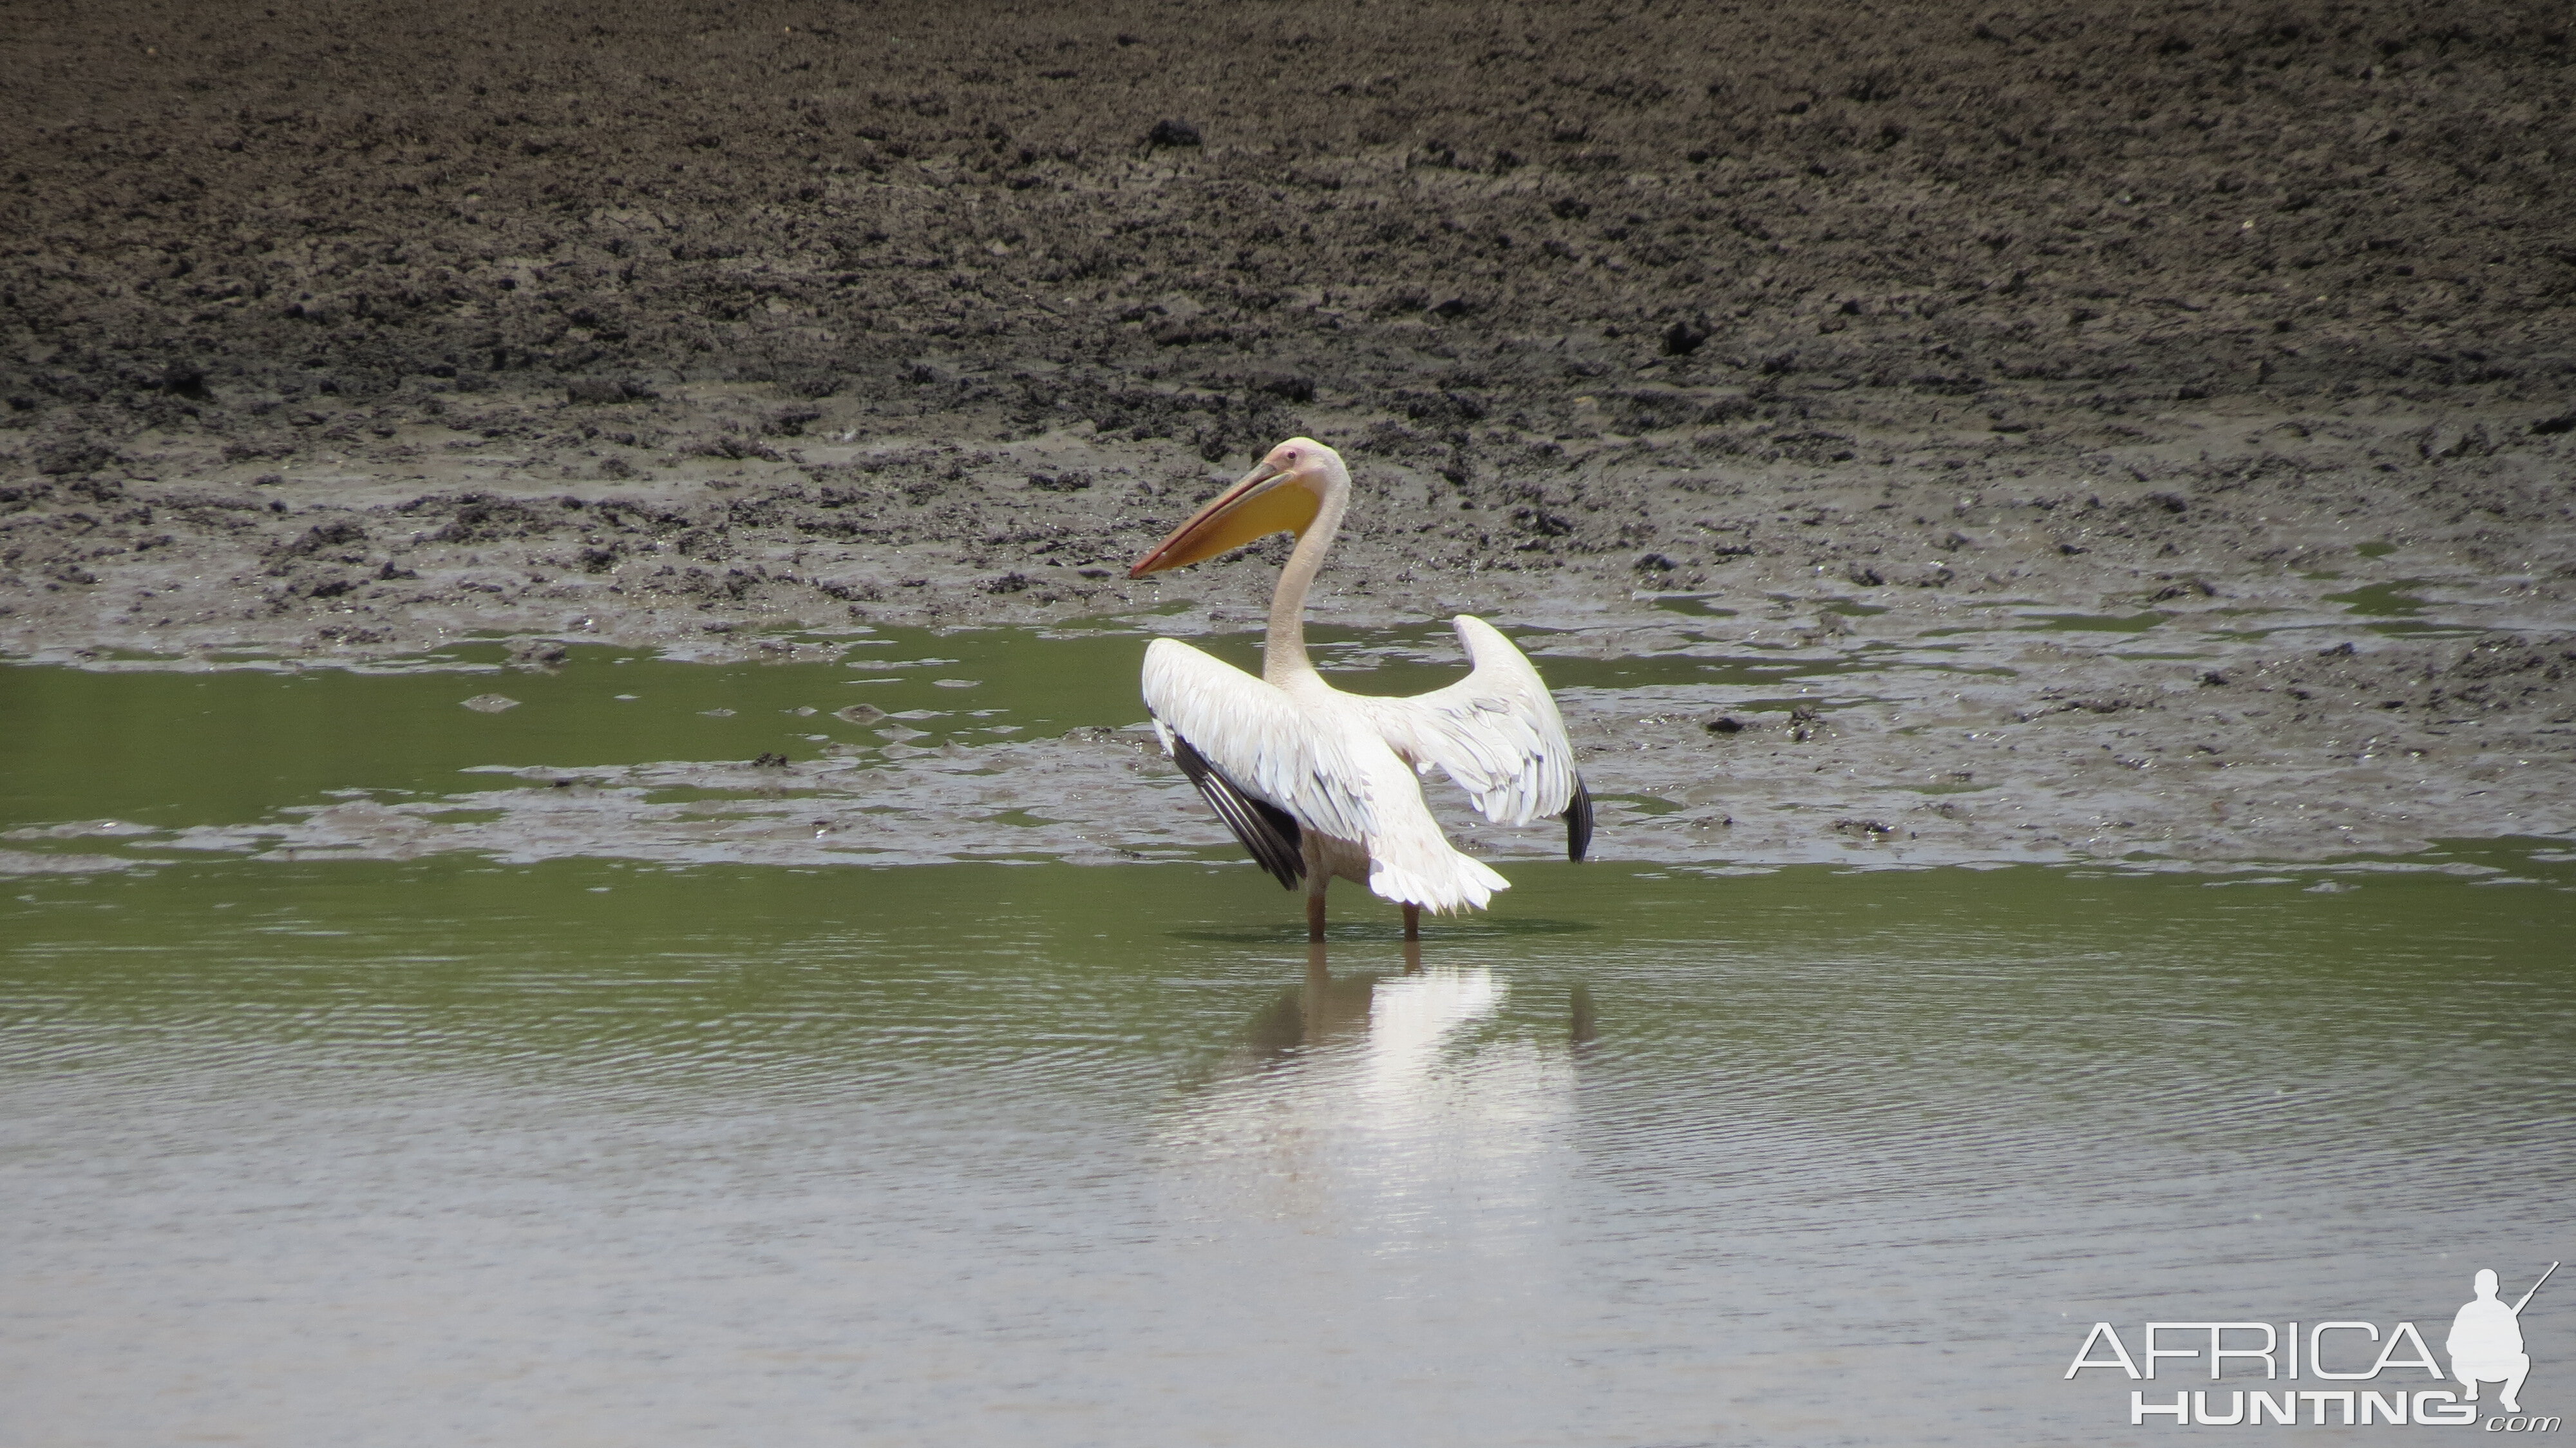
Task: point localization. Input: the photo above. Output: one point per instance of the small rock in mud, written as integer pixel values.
(75, 456)
(491, 703)
(859, 714)
(770, 761)
(601, 391)
(717, 713)
(537, 656)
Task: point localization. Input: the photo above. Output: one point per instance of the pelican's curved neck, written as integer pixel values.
(1283, 649)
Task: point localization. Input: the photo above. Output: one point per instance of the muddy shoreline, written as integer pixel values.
(2167, 419)
(2208, 665)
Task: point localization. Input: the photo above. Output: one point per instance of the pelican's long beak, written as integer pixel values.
(1269, 499)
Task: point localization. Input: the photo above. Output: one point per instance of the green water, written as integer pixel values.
(2383, 600)
(2098, 623)
(168, 749)
(451, 1150)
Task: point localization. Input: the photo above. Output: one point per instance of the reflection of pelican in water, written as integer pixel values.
(1391, 1105)
(1322, 1009)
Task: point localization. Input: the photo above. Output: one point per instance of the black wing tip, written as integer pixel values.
(1269, 833)
(1287, 863)
(1578, 823)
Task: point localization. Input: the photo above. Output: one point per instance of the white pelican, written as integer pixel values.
(1319, 783)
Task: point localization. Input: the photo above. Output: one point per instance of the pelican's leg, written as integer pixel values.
(1413, 922)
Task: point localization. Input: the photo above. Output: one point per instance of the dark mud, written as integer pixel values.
(336, 331)
(1193, 217)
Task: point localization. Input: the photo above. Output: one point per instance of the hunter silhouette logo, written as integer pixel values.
(2485, 1345)
(2486, 1341)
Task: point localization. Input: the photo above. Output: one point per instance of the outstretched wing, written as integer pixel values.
(1495, 733)
(1317, 760)
(1262, 743)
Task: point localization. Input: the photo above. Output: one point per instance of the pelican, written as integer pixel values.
(1318, 783)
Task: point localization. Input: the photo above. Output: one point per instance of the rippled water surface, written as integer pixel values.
(582, 1152)
(655, 1113)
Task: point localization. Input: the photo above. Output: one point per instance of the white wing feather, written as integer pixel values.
(1495, 733)
(1318, 755)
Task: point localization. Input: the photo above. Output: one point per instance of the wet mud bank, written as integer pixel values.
(2108, 426)
(1804, 732)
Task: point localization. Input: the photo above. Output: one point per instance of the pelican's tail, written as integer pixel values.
(1438, 879)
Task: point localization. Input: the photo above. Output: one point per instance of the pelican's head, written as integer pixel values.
(1282, 495)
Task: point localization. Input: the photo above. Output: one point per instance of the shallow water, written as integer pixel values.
(583, 1152)
(219, 743)
(449, 1149)
(613, 751)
